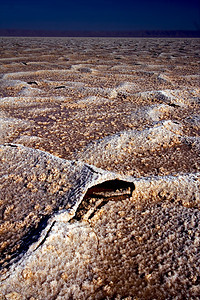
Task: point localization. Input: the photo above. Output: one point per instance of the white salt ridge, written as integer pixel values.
(153, 113)
(40, 63)
(86, 67)
(17, 101)
(13, 83)
(155, 66)
(2, 114)
(122, 68)
(97, 91)
(156, 112)
(192, 140)
(39, 111)
(26, 140)
(33, 49)
(93, 100)
(12, 58)
(22, 101)
(126, 87)
(67, 84)
(26, 89)
(29, 91)
(194, 120)
(164, 77)
(195, 76)
(171, 187)
(111, 147)
(176, 97)
(35, 73)
(9, 125)
(74, 84)
(111, 93)
(164, 55)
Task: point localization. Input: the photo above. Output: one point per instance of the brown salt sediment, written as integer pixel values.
(142, 97)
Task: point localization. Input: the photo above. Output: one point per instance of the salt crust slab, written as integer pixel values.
(36, 184)
(74, 259)
(113, 146)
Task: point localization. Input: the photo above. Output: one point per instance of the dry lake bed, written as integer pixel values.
(99, 170)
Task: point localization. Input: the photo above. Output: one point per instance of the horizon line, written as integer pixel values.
(98, 33)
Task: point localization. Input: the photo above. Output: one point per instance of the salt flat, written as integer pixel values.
(100, 159)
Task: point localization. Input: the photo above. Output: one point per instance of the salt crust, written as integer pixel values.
(143, 247)
(136, 246)
(26, 139)
(26, 101)
(34, 184)
(9, 125)
(30, 73)
(109, 148)
(176, 97)
(152, 113)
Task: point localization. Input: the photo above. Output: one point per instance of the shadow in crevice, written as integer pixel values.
(112, 187)
(99, 195)
(9, 257)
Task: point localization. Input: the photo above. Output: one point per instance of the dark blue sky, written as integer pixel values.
(100, 14)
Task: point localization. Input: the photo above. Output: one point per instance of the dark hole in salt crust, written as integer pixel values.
(111, 185)
(60, 87)
(106, 192)
(32, 82)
